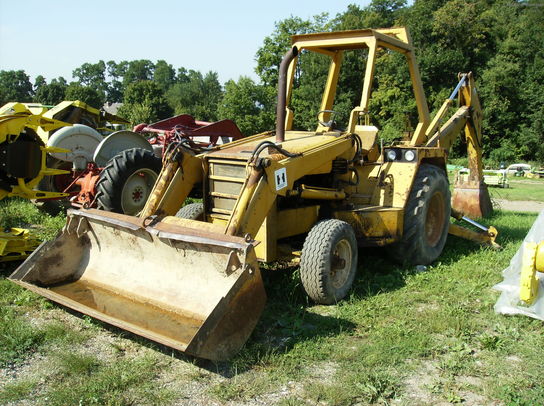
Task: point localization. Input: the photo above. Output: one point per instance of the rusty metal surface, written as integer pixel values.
(118, 219)
(203, 296)
(282, 93)
(186, 126)
(472, 200)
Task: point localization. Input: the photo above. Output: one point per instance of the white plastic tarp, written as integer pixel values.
(509, 302)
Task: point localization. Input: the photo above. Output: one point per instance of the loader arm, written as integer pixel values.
(261, 187)
(468, 118)
(178, 176)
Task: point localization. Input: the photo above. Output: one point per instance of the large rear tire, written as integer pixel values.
(329, 261)
(126, 181)
(426, 218)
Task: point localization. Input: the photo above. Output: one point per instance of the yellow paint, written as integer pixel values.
(296, 221)
(481, 237)
(539, 260)
(375, 225)
(394, 184)
(16, 244)
(528, 281)
(14, 119)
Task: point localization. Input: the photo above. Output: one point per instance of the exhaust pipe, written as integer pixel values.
(282, 94)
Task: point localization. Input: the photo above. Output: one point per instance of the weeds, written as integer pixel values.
(17, 391)
(15, 212)
(87, 381)
(355, 387)
(17, 337)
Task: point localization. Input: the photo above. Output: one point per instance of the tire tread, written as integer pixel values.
(114, 175)
(315, 259)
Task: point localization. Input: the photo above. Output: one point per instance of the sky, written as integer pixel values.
(52, 38)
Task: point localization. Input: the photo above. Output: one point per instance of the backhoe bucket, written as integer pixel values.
(472, 199)
(196, 291)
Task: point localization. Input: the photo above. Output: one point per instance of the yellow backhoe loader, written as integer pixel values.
(193, 282)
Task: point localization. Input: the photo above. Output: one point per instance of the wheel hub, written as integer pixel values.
(137, 194)
(136, 190)
(340, 263)
(435, 219)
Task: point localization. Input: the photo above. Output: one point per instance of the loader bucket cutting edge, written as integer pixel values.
(195, 291)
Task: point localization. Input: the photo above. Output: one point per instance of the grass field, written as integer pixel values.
(403, 337)
(520, 189)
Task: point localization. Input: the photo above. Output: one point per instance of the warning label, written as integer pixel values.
(281, 178)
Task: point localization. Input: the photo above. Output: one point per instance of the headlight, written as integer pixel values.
(391, 155)
(409, 155)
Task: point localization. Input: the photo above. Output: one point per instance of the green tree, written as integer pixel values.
(196, 95)
(144, 100)
(270, 54)
(164, 75)
(382, 13)
(15, 86)
(52, 93)
(116, 72)
(249, 105)
(39, 82)
(182, 75)
(93, 75)
(137, 71)
(308, 89)
(86, 94)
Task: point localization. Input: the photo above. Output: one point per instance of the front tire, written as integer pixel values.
(426, 218)
(329, 261)
(192, 211)
(126, 181)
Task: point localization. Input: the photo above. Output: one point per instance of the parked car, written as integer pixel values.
(519, 169)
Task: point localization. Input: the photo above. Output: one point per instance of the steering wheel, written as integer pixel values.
(329, 123)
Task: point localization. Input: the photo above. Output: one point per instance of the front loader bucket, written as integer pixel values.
(195, 291)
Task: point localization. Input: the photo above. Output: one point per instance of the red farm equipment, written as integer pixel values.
(126, 164)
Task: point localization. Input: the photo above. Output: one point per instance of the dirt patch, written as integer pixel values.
(427, 386)
(518, 205)
(418, 386)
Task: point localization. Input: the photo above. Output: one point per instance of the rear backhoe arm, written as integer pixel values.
(468, 118)
(471, 197)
